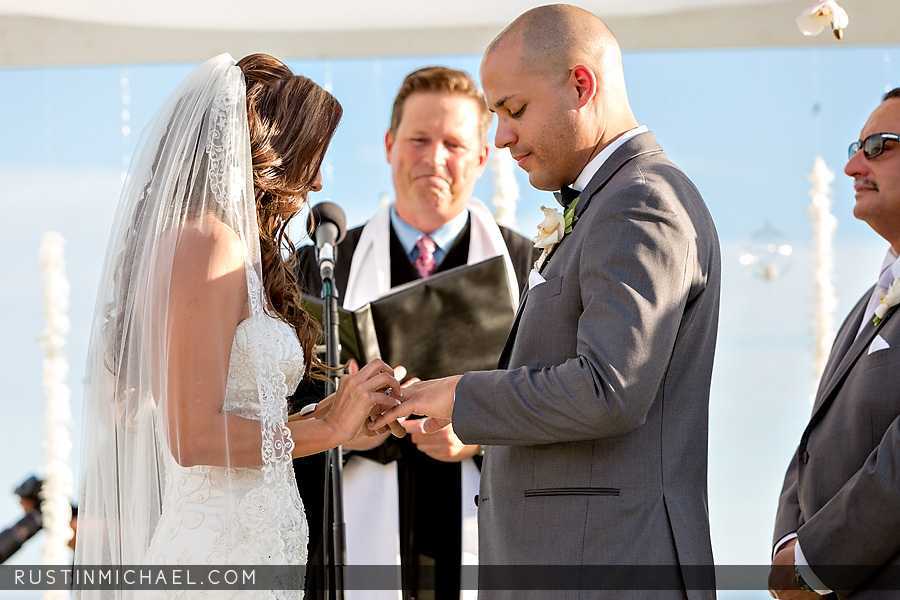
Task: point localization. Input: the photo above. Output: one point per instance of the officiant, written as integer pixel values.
(412, 499)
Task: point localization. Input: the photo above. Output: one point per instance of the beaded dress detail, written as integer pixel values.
(219, 516)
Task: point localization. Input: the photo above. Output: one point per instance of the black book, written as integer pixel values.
(452, 322)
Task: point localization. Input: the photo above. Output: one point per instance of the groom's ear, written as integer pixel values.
(585, 84)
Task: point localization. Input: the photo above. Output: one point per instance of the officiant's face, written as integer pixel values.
(436, 155)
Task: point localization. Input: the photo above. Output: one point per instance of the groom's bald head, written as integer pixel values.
(554, 78)
(556, 37)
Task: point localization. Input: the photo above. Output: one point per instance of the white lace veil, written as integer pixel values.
(191, 179)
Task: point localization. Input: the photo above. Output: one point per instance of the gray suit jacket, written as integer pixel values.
(842, 489)
(597, 429)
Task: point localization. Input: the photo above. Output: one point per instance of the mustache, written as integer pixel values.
(865, 182)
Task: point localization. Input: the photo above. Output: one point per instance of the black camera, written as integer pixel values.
(12, 539)
(30, 489)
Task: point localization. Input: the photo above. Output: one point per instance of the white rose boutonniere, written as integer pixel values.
(553, 229)
(820, 14)
(889, 299)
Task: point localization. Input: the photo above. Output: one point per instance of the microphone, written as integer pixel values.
(328, 226)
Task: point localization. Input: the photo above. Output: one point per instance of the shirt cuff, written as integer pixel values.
(806, 572)
(782, 542)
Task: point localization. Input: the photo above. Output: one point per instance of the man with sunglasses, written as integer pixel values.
(838, 525)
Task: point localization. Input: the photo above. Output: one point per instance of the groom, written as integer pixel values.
(596, 421)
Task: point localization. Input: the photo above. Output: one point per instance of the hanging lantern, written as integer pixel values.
(767, 254)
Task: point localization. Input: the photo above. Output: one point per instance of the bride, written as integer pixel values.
(199, 335)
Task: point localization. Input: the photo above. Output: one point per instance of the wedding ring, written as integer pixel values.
(388, 391)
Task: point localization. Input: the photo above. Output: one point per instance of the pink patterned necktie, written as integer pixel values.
(425, 264)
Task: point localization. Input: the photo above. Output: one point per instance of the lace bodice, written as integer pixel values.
(248, 515)
(242, 392)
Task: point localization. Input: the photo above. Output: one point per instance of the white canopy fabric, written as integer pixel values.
(62, 32)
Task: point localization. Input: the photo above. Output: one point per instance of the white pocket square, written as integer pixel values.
(878, 344)
(535, 279)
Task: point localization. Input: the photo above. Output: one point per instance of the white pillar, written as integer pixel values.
(56, 492)
(823, 227)
(506, 190)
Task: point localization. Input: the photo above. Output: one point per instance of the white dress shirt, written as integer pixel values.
(592, 167)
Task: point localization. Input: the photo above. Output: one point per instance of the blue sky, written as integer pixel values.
(745, 125)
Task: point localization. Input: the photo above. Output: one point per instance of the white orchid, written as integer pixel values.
(551, 230)
(889, 299)
(819, 14)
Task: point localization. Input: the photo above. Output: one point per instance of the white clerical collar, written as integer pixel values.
(592, 167)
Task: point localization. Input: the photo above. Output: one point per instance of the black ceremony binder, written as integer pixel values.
(452, 322)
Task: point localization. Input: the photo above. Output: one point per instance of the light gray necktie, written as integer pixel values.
(884, 282)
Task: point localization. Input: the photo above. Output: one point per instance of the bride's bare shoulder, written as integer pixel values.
(207, 246)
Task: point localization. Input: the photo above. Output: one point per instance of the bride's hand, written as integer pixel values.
(394, 427)
(357, 395)
(368, 439)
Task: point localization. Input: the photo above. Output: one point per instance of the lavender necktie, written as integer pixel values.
(887, 278)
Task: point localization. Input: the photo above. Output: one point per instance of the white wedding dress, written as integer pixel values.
(218, 516)
(192, 179)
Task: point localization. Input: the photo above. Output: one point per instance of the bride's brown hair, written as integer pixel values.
(292, 121)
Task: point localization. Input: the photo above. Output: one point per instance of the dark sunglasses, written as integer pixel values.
(873, 145)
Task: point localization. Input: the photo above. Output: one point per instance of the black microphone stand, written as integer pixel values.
(337, 558)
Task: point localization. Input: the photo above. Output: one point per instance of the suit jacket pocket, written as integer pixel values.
(551, 287)
(572, 491)
(879, 358)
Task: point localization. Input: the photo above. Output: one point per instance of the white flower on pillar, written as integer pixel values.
(57, 488)
(818, 15)
(824, 224)
(506, 190)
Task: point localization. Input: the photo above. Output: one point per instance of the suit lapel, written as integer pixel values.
(641, 144)
(503, 363)
(855, 350)
(845, 338)
(644, 143)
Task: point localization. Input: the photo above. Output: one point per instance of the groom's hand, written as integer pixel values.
(394, 427)
(433, 399)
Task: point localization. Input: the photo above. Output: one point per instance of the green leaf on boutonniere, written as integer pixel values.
(569, 216)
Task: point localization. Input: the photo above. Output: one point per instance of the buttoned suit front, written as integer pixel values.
(597, 420)
(842, 489)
